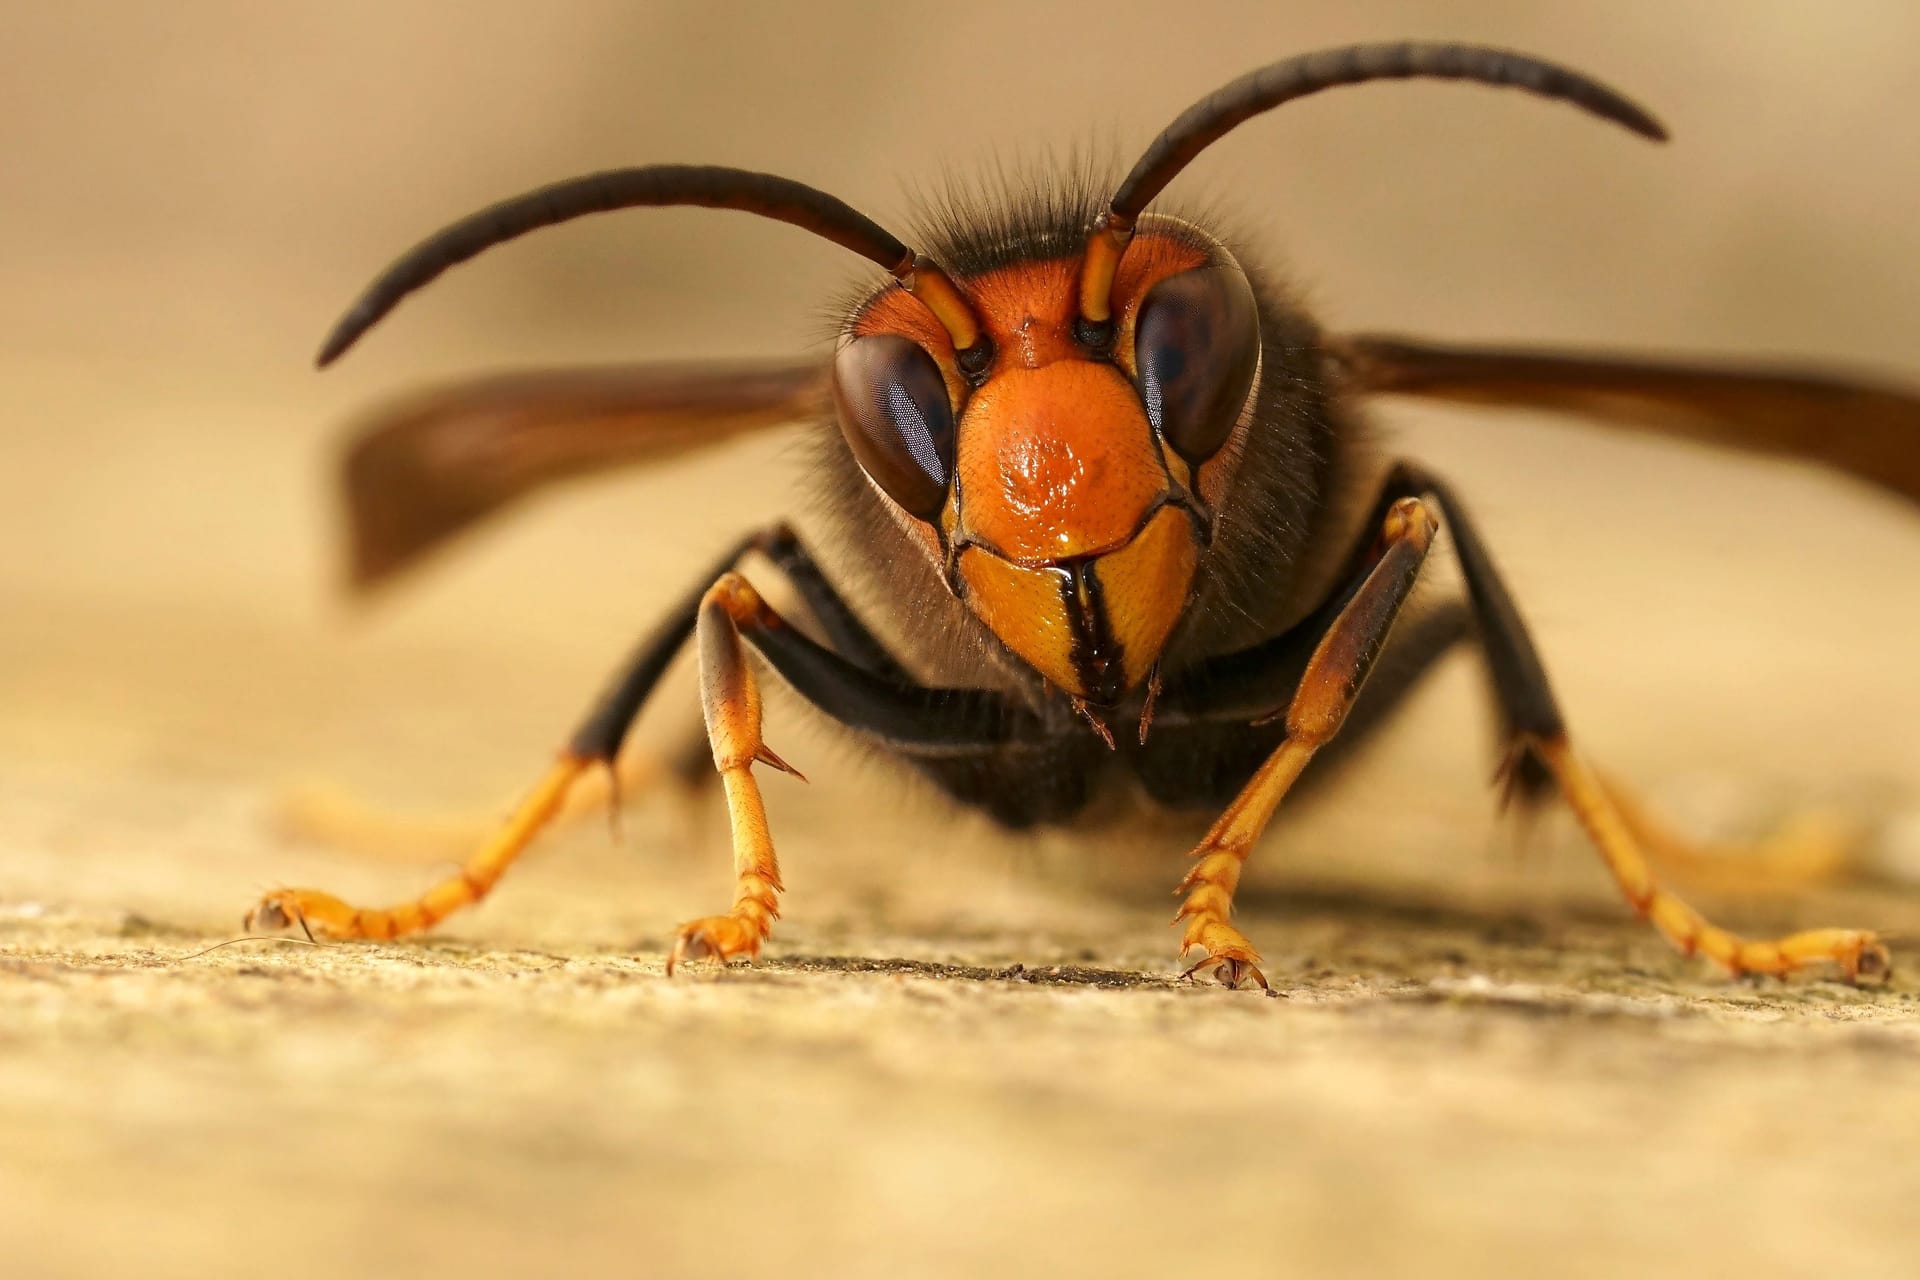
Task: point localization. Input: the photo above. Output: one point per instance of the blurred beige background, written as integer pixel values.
(193, 190)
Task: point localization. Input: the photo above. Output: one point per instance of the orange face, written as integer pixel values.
(1062, 508)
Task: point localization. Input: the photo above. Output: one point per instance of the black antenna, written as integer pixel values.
(706, 186)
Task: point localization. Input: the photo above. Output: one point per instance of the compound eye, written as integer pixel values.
(893, 408)
(1196, 346)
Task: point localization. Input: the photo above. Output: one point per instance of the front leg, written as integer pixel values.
(730, 701)
(1326, 692)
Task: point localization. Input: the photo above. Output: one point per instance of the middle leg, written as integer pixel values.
(593, 748)
(329, 816)
(1541, 756)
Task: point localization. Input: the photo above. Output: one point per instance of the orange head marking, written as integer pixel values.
(1056, 463)
(1058, 478)
(1063, 510)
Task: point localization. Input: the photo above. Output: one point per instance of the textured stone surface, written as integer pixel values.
(1433, 1088)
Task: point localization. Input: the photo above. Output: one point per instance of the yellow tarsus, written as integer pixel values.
(1857, 953)
(325, 915)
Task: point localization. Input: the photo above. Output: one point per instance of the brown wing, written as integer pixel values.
(425, 468)
(1866, 429)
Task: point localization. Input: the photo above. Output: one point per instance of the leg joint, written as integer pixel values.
(732, 595)
(1410, 519)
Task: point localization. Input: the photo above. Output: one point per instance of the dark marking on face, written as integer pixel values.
(1097, 652)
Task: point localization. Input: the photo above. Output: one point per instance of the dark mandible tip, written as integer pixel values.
(1209, 119)
(706, 186)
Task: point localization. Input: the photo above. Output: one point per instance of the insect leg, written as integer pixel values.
(905, 716)
(1326, 691)
(730, 700)
(326, 815)
(594, 746)
(1205, 744)
(1540, 740)
(846, 634)
(926, 722)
